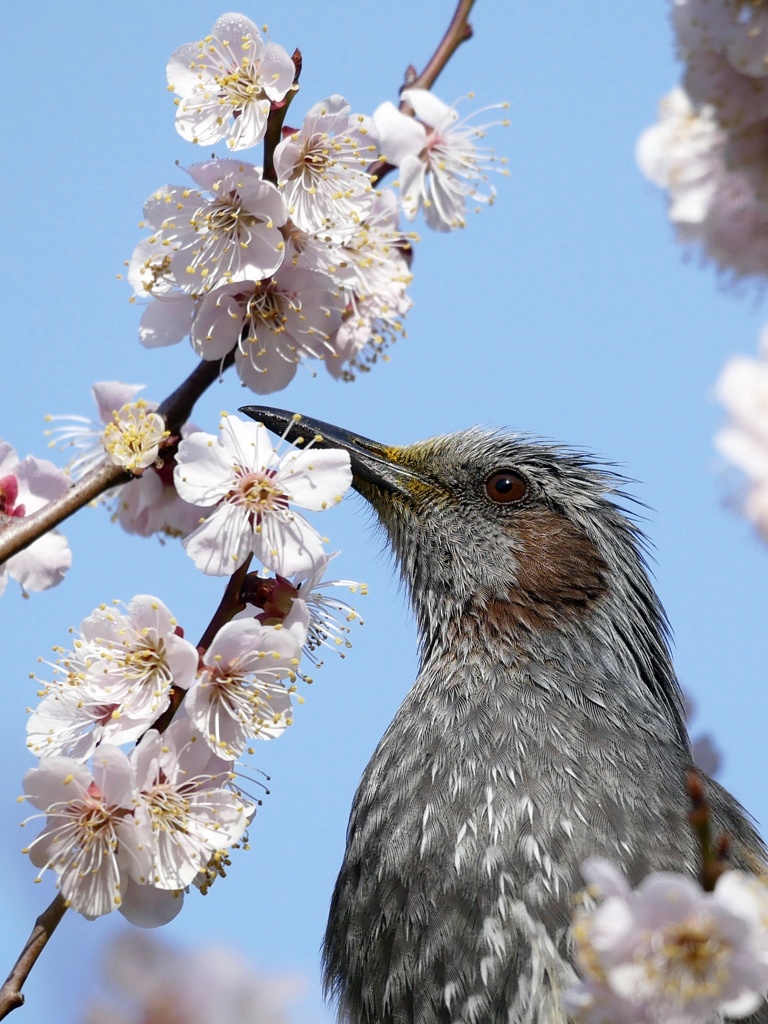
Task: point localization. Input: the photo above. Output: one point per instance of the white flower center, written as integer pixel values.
(240, 86)
(689, 960)
(226, 216)
(259, 490)
(169, 809)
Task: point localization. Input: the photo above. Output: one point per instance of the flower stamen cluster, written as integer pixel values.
(133, 438)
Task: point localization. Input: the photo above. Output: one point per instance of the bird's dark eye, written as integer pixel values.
(506, 487)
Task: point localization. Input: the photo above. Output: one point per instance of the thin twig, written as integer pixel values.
(275, 121)
(16, 534)
(458, 32)
(11, 995)
(713, 854)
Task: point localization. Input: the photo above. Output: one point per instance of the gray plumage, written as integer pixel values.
(545, 726)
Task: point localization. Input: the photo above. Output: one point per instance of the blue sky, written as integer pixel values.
(566, 310)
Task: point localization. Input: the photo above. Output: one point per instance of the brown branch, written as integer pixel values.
(16, 534)
(275, 121)
(231, 603)
(11, 995)
(713, 854)
(458, 32)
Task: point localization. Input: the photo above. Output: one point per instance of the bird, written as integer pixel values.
(545, 726)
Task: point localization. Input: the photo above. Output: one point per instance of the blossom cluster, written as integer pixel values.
(133, 830)
(709, 150)
(710, 146)
(146, 979)
(668, 952)
(306, 261)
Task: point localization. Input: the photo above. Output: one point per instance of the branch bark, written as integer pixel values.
(458, 32)
(18, 534)
(11, 995)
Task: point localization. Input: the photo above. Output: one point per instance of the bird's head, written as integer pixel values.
(524, 537)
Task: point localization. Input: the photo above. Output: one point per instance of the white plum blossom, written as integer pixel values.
(239, 694)
(91, 838)
(149, 503)
(168, 310)
(115, 683)
(80, 433)
(318, 612)
(185, 803)
(133, 437)
(668, 952)
(252, 488)
(272, 324)
(26, 486)
(743, 390)
(682, 152)
(441, 165)
(369, 264)
(227, 82)
(71, 719)
(371, 324)
(229, 231)
(322, 167)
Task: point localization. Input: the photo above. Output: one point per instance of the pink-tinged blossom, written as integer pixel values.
(442, 166)
(373, 273)
(137, 656)
(668, 952)
(239, 694)
(371, 325)
(185, 803)
(226, 230)
(370, 266)
(738, 100)
(252, 489)
(714, 180)
(739, 31)
(26, 486)
(114, 683)
(227, 82)
(272, 324)
(152, 981)
(91, 838)
(150, 503)
(743, 390)
(321, 168)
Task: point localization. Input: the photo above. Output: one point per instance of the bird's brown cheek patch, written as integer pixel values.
(560, 571)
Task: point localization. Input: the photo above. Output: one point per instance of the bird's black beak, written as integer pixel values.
(372, 462)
